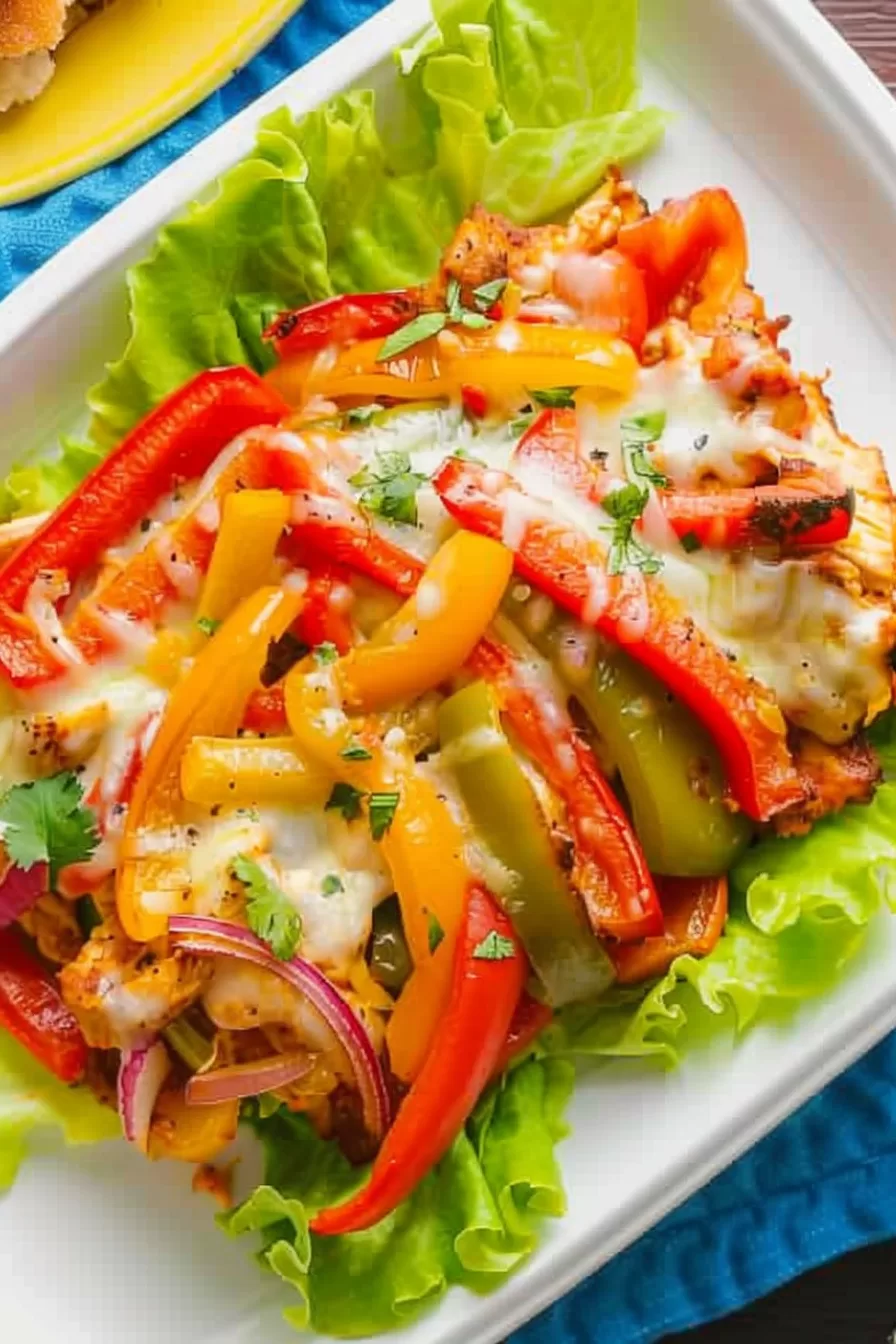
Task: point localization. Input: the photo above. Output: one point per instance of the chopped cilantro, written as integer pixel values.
(419, 329)
(435, 932)
(346, 799)
(207, 624)
(331, 884)
(489, 293)
(381, 808)
(625, 506)
(557, 398)
(325, 653)
(494, 947)
(389, 487)
(269, 913)
(355, 751)
(362, 415)
(638, 433)
(45, 822)
(691, 542)
(465, 455)
(521, 423)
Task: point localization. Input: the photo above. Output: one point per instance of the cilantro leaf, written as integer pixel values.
(474, 320)
(207, 624)
(638, 433)
(494, 947)
(355, 751)
(419, 329)
(489, 293)
(435, 932)
(45, 822)
(389, 487)
(269, 912)
(331, 884)
(625, 507)
(362, 415)
(381, 810)
(325, 653)
(453, 305)
(557, 398)
(345, 798)
(690, 543)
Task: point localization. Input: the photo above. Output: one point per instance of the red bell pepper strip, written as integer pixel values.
(32, 1011)
(791, 516)
(529, 1021)
(489, 973)
(342, 319)
(606, 289)
(700, 241)
(609, 869)
(635, 610)
(177, 441)
(695, 909)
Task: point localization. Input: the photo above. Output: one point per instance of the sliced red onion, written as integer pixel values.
(141, 1075)
(19, 890)
(247, 1080)
(219, 938)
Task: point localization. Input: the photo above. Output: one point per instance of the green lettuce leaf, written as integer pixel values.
(31, 1098)
(801, 910)
(472, 1221)
(525, 121)
(35, 487)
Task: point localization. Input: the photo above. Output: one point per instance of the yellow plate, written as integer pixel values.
(130, 70)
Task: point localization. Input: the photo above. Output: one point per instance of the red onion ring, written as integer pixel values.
(219, 938)
(247, 1080)
(20, 889)
(141, 1075)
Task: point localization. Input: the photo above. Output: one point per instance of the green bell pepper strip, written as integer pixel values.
(668, 763)
(568, 960)
(390, 959)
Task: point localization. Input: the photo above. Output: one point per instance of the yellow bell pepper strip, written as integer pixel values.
(635, 609)
(209, 701)
(489, 972)
(245, 770)
(502, 358)
(565, 955)
(436, 630)
(252, 522)
(357, 372)
(422, 847)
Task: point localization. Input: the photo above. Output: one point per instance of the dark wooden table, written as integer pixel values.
(852, 1301)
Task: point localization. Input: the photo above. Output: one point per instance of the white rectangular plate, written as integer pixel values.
(96, 1246)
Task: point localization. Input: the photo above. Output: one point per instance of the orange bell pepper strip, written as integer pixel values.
(699, 241)
(177, 441)
(433, 634)
(695, 910)
(210, 702)
(635, 610)
(32, 1011)
(489, 972)
(796, 514)
(357, 371)
(341, 320)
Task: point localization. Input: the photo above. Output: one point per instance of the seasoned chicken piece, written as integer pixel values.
(833, 776)
(53, 926)
(488, 247)
(121, 990)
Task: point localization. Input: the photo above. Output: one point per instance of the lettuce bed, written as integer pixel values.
(520, 104)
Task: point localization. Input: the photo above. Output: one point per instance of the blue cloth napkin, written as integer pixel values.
(822, 1183)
